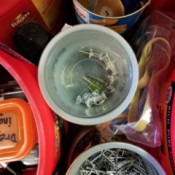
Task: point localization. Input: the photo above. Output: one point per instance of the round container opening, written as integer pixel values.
(88, 72)
(115, 158)
(112, 8)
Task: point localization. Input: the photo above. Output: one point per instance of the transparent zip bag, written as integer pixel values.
(153, 44)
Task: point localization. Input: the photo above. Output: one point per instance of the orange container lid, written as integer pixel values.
(18, 133)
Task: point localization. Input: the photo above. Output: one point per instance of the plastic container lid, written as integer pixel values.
(18, 133)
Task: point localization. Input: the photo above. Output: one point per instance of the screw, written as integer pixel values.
(91, 53)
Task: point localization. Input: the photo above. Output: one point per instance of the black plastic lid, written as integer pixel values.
(30, 40)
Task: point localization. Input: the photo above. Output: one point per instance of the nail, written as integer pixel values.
(96, 78)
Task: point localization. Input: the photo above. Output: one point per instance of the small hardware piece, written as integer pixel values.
(91, 98)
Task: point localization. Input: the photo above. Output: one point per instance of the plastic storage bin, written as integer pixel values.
(25, 73)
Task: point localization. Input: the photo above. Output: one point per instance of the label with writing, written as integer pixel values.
(8, 130)
(20, 18)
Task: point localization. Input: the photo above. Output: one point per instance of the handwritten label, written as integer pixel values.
(6, 120)
(8, 129)
(10, 137)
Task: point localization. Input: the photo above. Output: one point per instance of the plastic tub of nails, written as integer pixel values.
(115, 158)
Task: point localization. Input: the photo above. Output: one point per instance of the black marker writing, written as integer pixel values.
(10, 137)
(6, 121)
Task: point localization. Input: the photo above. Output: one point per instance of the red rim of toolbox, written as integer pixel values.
(168, 123)
(25, 73)
(172, 123)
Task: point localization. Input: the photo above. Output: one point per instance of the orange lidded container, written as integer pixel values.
(18, 133)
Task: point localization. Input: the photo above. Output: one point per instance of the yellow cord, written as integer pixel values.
(145, 71)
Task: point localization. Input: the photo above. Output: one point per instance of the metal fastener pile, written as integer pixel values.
(114, 162)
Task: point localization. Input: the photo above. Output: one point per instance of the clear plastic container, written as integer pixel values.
(79, 62)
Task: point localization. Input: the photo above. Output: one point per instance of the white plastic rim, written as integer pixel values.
(103, 118)
(74, 168)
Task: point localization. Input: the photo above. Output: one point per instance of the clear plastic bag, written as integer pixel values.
(153, 44)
